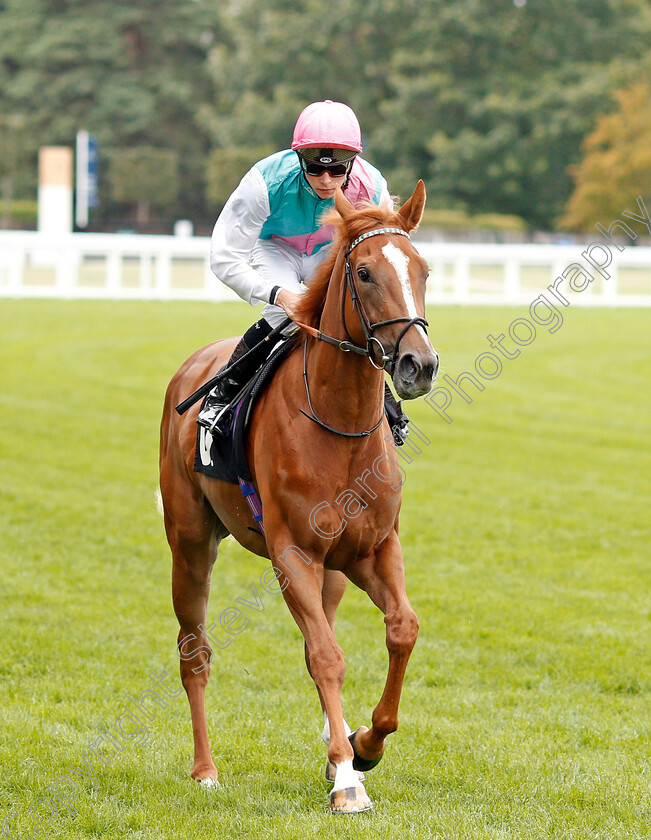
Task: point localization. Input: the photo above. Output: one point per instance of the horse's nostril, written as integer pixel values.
(428, 371)
(407, 367)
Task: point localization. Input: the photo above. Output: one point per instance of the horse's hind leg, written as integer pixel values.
(194, 533)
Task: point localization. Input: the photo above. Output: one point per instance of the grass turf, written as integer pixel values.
(526, 710)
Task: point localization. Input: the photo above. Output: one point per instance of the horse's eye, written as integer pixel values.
(364, 275)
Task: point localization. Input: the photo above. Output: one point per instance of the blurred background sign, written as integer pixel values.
(86, 180)
(55, 190)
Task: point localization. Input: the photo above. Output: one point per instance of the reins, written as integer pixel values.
(349, 346)
(320, 422)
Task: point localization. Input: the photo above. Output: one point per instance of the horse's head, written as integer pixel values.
(385, 283)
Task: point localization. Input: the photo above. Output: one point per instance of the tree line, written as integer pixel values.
(490, 101)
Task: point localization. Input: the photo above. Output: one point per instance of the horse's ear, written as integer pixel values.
(412, 210)
(344, 207)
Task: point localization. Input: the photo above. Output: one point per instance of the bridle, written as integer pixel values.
(350, 287)
(371, 341)
(367, 327)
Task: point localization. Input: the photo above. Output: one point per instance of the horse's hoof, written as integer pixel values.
(331, 773)
(206, 776)
(360, 763)
(209, 783)
(350, 800)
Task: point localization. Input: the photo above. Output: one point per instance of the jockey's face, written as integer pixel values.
(324, 185)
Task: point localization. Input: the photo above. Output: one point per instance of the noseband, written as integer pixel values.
(350, 286)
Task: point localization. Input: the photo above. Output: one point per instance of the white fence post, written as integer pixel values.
(15, 266)
(145, 272)
(511, 280)
(461, 280)
(163, 281)
(113, 273)
(610, 286)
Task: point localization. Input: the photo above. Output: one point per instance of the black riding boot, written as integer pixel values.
(397, 420)
(217, 410)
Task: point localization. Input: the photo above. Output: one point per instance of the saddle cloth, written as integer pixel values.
(224, 458)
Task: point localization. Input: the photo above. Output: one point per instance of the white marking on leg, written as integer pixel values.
(325, 735)
(209, 783)
(400, 262)
(346, 777)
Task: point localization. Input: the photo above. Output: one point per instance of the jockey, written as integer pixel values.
(268, 239)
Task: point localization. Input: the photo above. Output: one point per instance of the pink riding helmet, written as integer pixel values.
(327, 125)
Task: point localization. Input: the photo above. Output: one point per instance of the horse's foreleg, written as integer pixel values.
(402, 630)
(325, 661)
(383, 579)
(334, 586)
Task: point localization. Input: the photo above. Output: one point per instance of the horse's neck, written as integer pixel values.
(347, 391)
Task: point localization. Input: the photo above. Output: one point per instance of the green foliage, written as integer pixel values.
(487, 101)
(144, 176)
(616, 167)
(492, 101)
(132, 73)
(24, 212)
(13, 142)
(14, 158)
(148, 172)
(447, 219)
(500, 221)
(460, 220)
(226, 168)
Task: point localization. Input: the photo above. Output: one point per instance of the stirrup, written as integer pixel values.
(398, 420)
(216, 418)
(400, 430)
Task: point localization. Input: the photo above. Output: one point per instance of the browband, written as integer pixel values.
(375, 233)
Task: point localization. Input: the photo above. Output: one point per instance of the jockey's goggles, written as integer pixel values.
(337, 170)
(317, 161)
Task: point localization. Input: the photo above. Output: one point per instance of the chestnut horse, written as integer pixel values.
(318, 430)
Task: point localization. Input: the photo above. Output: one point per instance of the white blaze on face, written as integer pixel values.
(400, 262)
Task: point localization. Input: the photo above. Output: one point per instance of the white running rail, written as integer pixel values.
(141, 267)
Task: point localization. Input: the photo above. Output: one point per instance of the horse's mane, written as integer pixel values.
(367, 217)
